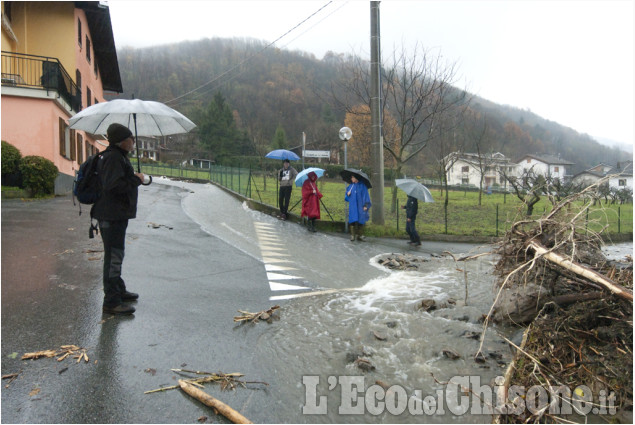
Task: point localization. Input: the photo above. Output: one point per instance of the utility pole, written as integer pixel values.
(377, 148)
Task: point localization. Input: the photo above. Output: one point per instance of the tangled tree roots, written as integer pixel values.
(579, 306)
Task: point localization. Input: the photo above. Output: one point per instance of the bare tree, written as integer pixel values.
(478, 131)
(529, 187)
(418, 92)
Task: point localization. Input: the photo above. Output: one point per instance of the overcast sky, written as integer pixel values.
(568, 61)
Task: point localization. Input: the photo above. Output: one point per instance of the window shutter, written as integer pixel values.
(62, 138)
(80, 149)
(73, 146)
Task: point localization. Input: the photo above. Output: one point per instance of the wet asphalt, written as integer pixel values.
(191, 285)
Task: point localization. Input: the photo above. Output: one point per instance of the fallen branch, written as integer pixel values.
(254, 317)
(586, 272)
(216, 404)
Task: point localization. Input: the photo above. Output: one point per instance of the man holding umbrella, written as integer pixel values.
(286, 177)
(116, 204)
(412, 207)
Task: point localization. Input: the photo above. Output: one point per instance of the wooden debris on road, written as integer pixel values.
(63, 352)
(227, 380)
(255, 317)
(214, 403)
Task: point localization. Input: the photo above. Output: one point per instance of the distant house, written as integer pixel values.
(149, 147)
(550, 166)
(593, 174)
(623, 176)
(465, 169)
(57, 58)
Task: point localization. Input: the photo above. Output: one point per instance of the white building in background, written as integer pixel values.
(623, 176)
(546, 165)
(593, 174)
(465, 169)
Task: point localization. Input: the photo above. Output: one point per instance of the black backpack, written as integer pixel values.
(87, 187)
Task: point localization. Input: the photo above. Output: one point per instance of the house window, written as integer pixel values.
(556, 169)
(465, 180)
(88, 49)
(89, 96)
(79, 33)
(621, 182)
(465, 169)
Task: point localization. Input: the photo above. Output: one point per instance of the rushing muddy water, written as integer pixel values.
(367, 312)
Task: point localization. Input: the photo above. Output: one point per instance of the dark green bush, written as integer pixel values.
(38, 174)
(11, 157)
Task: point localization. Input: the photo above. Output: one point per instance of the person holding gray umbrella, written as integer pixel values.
(412, 207)
(416, 192)
(117, 203)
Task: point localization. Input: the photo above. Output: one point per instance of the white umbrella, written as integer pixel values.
(415, 189)
(146, 117)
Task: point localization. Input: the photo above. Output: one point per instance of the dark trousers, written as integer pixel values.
(113, 235)
(284, 198)
(412, 231)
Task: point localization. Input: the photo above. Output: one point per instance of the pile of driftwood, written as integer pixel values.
(576, 304)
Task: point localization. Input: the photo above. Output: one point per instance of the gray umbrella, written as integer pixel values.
(415, 189)
(145, 117)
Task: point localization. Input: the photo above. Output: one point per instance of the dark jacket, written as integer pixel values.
(119, 186)
(412, 207)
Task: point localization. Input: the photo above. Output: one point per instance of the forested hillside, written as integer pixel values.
(241, 94)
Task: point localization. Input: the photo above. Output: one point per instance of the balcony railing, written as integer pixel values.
(21, 70)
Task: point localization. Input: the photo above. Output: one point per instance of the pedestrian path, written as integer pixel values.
(278, 264)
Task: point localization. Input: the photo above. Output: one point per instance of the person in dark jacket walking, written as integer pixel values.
(412, 207)
(286, 177)
(117, 204)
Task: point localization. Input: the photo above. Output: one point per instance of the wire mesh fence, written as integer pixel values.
(463, 215)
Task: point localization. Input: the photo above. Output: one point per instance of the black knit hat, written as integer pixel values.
(117, 132)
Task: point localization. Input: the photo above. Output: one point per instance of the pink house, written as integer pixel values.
(57, 58)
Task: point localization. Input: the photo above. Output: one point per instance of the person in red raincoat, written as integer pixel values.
(311, 200)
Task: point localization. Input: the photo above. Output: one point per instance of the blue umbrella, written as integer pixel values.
(282, 154)
(304, 174)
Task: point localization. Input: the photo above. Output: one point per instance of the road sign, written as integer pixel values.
(316, 154)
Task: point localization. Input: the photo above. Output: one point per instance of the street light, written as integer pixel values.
(345, 134)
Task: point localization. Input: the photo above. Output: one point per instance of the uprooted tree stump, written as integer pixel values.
(553, 275)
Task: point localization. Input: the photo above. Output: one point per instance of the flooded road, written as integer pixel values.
(339, 304)
(351, 343)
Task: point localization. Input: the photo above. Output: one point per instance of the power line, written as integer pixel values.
(247, 58)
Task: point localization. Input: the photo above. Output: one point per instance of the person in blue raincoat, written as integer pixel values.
(358, 205)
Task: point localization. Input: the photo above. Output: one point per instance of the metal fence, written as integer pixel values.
(462, 216)
(33, 71)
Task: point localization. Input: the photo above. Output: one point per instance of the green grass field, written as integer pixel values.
(464, 215)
